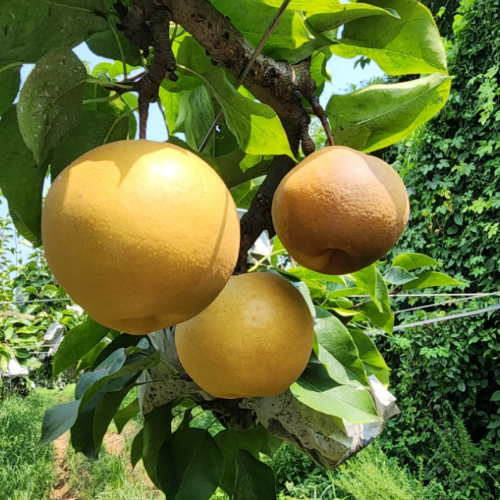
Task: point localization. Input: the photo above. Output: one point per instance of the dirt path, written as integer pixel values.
(61, 491)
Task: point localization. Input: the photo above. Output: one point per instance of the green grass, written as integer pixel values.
(26, 473)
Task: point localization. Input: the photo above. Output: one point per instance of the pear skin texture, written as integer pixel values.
(254, 339)
(141, 234)
(340, 210)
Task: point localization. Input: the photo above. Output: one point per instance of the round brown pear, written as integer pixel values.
(340, 210)
(253, 340)
(141, 234)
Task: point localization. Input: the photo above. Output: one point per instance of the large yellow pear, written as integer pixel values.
(141, 234)
(340, 210)
(254, 339)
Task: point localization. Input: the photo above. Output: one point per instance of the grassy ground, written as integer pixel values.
(56, 472)
(26, 473)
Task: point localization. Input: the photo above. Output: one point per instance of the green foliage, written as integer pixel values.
(451, 164)
(32, 303)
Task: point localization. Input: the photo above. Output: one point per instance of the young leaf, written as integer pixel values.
(380, 115)
(50, 100)
(157, 428)
(338, 352)
(255, 125)
(57, 420)
(94, 128)
(254, 480)
(21, 181)
(10, 79)
(28, 29)
(405, 46)
(317, 390)
(76, 343)
(411, 261)
(431, 279)
(125, 414)
(190, 465)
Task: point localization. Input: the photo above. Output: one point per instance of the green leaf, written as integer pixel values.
(88, 359)
(10, 79)
(431, 279)
(50, 100)
(331, 21)
(256, 440)
(94, 128)
(372, 283)
(113, 44)
(104, 413)
(122, 341)
(57, 420)
(82, 431)
(398, 276)
(373, 361)
(199, 118)
(124, 415)
(226, 167)
(28, 29)
(410, 45)
(411, 261)
(76, 343)
(311, 7)
(170, 102)
(382, 319)
(253, 18)
(255, 125)
(110, 365)
(380, 115)
(254, 480)
(337, 351)
(190, 465)
(318, 391)
(21, 181)
(137, 447)
(244, 193)
(117, 380)
(157, 428)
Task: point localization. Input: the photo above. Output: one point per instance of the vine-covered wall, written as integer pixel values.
(452, 165)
